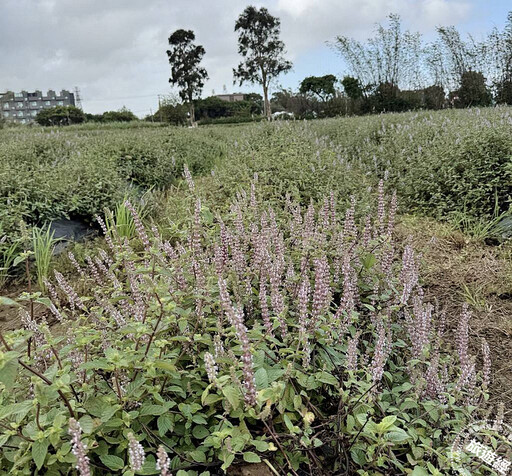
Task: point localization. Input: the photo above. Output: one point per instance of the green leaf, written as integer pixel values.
(397, 435)
(198, 456)
(86, 423)
(387, 422)
(8, 374)
(164, 424)
(108, 412)
(260, 445)
(289, 424)
(233, 395)
(418, 471)
(199, 419)
(5, 301)
(112, 462)
(227, 458)
(251, 457)
(261, 378)
(210, 399)
(326, 377)
(152, 410)
(39, 452)
(200, 432)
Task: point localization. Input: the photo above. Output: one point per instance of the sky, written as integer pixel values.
(114, 51)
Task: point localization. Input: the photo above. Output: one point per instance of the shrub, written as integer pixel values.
(60, 116)
(287, 335)
(473, 91)
(123, 115)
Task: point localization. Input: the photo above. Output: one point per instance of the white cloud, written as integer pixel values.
(116, 48)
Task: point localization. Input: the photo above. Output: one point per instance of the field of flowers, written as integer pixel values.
(254, 297)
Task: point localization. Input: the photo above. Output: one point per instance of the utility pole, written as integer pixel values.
(160, 108)
(78, 99)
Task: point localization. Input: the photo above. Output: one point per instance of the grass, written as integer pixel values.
(43, 244)
(7, 257)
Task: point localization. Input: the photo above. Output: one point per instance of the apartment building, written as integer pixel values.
(23, 107)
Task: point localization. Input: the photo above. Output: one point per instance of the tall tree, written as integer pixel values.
(392, 56)
(185, 58)
(322, 86)
(262, 50)
(500, 49)
(451, 57)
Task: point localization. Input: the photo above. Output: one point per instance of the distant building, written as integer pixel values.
(231, 97)
(23, 107)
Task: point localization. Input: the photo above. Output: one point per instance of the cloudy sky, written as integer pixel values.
(114, 50)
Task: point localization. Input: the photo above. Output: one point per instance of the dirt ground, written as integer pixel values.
(456, 269)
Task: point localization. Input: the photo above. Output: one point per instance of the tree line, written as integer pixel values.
(394, 70)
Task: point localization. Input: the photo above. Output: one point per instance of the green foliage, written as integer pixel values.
(473, 91)
(47, 176)
(43, 245)
(120, 222)
(504, 92)
(214, 107)
(123, 115)
(353, 87)
(322, 86)
(186, 73)
(261, 49)
(134, 361)
(60, 116)
(8, 253)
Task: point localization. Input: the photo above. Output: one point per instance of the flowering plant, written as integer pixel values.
(293, 337)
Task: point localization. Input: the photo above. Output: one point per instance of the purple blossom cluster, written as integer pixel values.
(78, 448)
(163, 463)
(136, 453)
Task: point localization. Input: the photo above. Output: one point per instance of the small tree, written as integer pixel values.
(504, 92)
(473, 90)
(123, 115)
(262, 50)
(322, 86)
(60, 116)
(185, 58)
(352, 87)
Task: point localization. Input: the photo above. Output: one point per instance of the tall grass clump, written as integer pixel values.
(43, 246)
(299, 337)
(120, 222)
(8, 253)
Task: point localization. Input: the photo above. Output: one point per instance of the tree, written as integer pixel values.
(185, 58)
(352, 87)
(473, 90)
(500, 48)
(451, 57)
(390, 57)
(60, 116)
(504, 92)
(322, 86)
(262, 50)
(123, 115)
(434, 97)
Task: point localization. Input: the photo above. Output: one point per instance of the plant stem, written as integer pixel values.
(48, 382)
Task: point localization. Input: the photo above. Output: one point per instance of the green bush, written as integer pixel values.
(123, 115)
(299, 341)
(60, 116)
